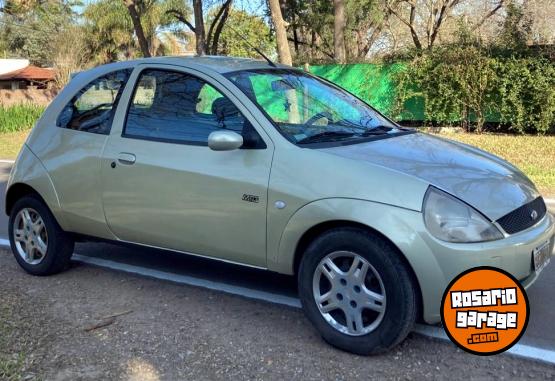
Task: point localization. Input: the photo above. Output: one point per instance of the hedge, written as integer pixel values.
(457, 86)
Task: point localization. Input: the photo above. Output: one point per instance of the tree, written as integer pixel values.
(426, 18)
(109, 31)
(250, 27)
(541, 13)
(70, 53)
(205, 43)
(284, 52)
(516, 29)
(313, 26)
(216, 26)
(27, 29)
(366, 21)
(339, 31)
(136, 19)
(311, 29)
(112, 33)
(199, 27)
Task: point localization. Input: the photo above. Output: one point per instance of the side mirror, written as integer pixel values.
(224, 140)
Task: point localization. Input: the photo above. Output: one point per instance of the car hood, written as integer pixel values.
(488, 183)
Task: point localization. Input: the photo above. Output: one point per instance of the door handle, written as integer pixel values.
(126, 158)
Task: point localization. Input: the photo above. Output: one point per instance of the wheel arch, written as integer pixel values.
(315, 231)
(400, 227)
(17, 191)
(29, 176)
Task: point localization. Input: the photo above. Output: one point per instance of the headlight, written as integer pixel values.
(451, 220)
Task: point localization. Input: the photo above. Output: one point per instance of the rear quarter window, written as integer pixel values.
(92, 108)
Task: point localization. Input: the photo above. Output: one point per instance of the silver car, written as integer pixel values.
(270, 167)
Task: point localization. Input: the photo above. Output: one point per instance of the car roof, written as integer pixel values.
(220, 64)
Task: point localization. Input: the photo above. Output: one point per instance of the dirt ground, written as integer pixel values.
(174, 332)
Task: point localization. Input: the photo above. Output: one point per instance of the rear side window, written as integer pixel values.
(177, 107)
(92, 108)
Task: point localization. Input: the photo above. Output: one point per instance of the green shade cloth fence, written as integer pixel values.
(374, 83)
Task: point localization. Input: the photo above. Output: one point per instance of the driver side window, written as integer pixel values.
(92, 108)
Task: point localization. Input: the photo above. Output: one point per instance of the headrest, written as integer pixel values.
(223, 108)
(179, 93)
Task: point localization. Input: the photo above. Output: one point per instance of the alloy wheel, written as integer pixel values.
(30, 236)
(349, 293)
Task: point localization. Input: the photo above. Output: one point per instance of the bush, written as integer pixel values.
(467, 85)
(19, 117)
(525, 91)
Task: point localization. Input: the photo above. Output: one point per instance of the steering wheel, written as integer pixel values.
(320, 115)
(87, 120)
(96, 108)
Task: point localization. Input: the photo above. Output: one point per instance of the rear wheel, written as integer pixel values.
(357, 291)
(38, 243)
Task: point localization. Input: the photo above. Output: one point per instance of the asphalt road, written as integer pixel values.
(539, 334)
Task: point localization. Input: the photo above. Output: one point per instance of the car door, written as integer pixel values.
(163, 186)
(72, 154)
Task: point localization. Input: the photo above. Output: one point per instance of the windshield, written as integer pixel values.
(308, 110)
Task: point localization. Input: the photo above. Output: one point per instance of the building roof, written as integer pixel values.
(7, 65)
(30, 73)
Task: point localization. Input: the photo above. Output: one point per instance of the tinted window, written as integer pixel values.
(177, 107)
(92, 109)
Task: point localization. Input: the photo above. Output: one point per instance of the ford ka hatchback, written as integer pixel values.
(268, 166)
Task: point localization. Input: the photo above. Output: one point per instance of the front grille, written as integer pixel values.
(522, 218)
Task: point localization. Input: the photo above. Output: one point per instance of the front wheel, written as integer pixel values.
(38, 243)
(357, 291)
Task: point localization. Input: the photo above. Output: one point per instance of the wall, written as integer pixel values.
(35, 96)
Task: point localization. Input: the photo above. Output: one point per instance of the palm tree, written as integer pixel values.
(113, 33)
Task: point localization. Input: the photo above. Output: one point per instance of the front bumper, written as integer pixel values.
(512, 254)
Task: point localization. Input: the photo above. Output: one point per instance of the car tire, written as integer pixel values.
(391, 315)
(39, 248)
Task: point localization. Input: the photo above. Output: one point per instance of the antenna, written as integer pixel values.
(270, 62)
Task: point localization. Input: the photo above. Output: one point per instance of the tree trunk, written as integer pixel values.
(313, 38)
(222, 20)
(281, 34)
(339, 31)
(296, 40)
(491, 13)
(200, 34)
(143, 43)
(413, 33)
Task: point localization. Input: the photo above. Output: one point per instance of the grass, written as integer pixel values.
(11, 142)
(19, 117)
(11, 367)
(534, 155)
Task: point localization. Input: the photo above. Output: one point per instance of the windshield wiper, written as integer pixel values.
(325, 136)
(378, 130)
